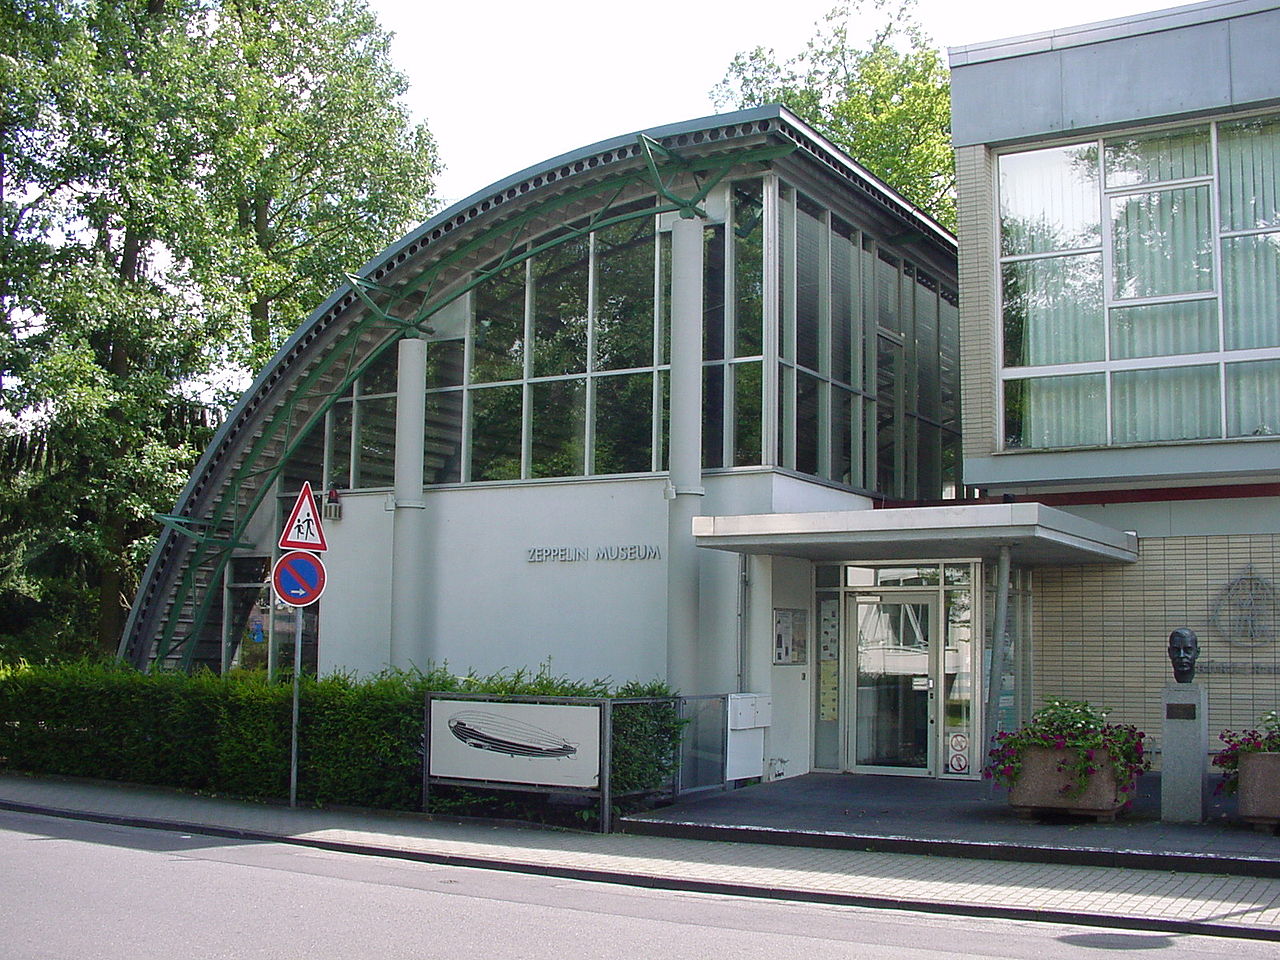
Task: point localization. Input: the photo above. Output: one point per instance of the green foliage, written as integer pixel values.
(1087, 741)
(885, 100)
(1264, 739)
(180, 183)
(317, 165)
(645, 745)
(359, 739)
(109, 721)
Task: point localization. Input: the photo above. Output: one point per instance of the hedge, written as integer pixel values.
(359, 740)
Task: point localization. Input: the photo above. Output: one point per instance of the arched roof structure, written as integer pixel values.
(404, 289)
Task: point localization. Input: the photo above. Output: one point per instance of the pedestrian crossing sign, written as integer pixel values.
(303, 531)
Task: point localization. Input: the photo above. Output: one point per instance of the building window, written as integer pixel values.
(1141, 287)
(556, 365)
(354, 444)
(868, 368)
(588, 394)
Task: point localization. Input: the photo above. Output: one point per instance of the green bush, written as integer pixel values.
(360, 740)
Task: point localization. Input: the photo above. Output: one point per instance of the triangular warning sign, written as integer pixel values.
(302, 531)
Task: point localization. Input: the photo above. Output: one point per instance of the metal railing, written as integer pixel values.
(704, 744)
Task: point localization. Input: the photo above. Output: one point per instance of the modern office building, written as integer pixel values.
(1119, 224)
(687, 403)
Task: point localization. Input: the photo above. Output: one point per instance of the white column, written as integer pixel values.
(684, 489)
(409, 645)
(999, 647)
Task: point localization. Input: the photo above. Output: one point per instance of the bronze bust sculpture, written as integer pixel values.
(1184, 649)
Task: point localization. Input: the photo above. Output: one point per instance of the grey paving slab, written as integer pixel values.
(831, 807)
(1203, 903)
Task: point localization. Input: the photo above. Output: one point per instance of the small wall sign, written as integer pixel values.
(790, 636)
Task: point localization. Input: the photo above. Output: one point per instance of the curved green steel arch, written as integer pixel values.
(226, 513)
(267, 426)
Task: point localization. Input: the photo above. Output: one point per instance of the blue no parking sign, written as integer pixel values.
(298, 578)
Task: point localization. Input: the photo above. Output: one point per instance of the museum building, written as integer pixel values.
(687, 404)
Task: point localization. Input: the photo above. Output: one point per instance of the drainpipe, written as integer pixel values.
(999, 647)
(409, 646)
(744, 609)
(684, 487)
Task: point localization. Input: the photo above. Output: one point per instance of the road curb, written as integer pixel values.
(965, 849)
(659, 882)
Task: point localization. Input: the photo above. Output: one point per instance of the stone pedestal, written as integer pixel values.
(1184, 768)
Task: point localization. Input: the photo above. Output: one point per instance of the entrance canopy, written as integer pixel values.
(1036, 535)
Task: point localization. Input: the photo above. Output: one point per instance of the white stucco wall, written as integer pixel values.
(355, 611)
(489, 603)
(788, 746)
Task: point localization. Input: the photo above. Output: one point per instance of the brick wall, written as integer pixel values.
(1100, 632)
(975, 212)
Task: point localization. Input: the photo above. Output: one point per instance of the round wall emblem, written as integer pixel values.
(1245, 611)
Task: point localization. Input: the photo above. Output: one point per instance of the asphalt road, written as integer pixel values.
(71, 889)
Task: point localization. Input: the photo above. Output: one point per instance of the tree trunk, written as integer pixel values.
(113, 522)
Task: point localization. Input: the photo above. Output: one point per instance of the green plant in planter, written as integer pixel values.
(1079, 730)
(1263, 740)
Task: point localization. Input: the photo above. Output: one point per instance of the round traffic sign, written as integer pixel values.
(298, 578)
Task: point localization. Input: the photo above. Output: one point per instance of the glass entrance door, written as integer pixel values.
(892, 668)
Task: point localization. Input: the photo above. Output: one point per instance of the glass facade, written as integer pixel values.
(868, 360)
(559, 362)
(1141, 287)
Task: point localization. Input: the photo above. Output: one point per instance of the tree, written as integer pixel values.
(885, 102)
(159, 198)
(318, 166)
(106, 328)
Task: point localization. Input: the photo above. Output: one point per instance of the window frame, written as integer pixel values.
(1222, 357)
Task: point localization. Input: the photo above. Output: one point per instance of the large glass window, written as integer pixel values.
(733, 325)
(497, 332)
(1141, 287)
(553, 360)
(1053, 310)
(588, 309)
(353, 445)
(495, 432)
(560, 309)
(624, 296)
(558, 415)
(868, 391)
(748, 268)
(1049, 200)
(562, 369)
(623, 440)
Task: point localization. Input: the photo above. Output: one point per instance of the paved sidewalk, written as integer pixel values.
(964, 818)
(1201, 903)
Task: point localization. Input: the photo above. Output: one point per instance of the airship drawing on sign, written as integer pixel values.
(489, 731)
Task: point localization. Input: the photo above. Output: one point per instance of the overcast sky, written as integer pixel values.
(505, 84)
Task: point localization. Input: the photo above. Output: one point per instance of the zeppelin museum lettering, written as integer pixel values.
(687, 404)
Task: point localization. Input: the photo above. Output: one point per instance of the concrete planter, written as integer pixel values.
(1259, 788)
(1042, 786)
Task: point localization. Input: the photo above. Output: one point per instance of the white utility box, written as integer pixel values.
(749, 714)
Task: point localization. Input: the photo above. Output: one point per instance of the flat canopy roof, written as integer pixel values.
(1037, 535)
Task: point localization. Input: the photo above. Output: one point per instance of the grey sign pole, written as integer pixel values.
(299, 579)
(297, 689)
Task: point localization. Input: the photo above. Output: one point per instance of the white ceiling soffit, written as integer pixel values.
(1037, 535)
